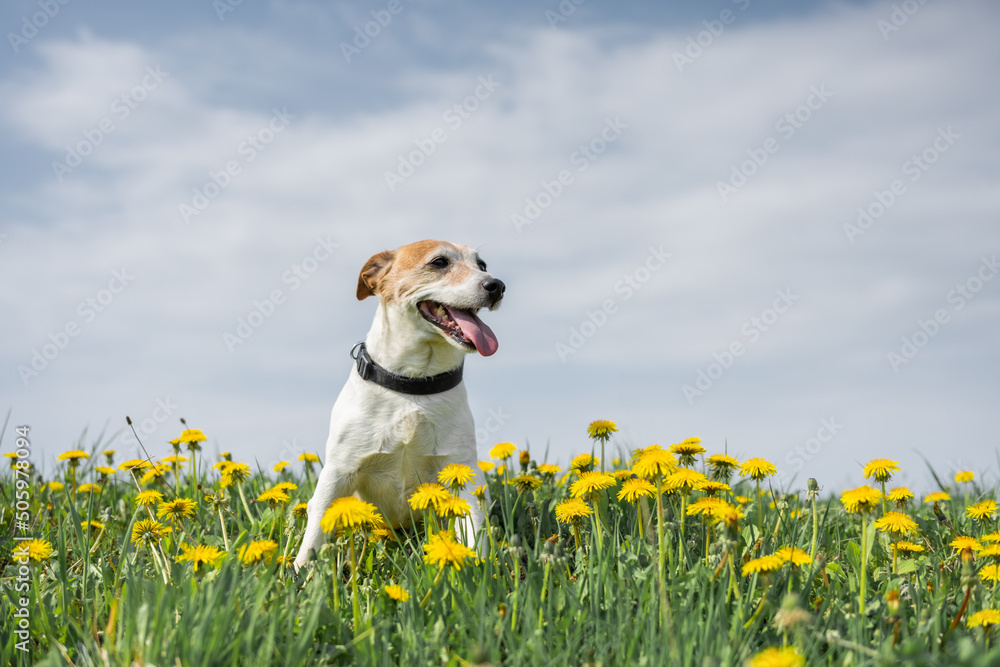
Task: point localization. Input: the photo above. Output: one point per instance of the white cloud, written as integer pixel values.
(324, 174)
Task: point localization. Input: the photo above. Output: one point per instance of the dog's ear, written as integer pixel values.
(372, 272)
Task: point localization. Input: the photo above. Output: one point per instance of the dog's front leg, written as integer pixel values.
(332, 483)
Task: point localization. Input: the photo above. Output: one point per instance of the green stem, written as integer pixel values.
(355, 602)
(760, 514)
(812, 551)
(863, 581)
(661, 554)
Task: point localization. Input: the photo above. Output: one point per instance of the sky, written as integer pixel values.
(769, 225)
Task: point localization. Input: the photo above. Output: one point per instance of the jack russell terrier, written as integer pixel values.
(403, 414)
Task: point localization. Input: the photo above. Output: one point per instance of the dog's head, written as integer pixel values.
(440, 286)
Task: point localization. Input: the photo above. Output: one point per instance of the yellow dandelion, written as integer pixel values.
(191, 437)
(936, 497)
(480, 492)
(963, 542)
(201, 555)
(757, 468)
(654, 464)
(176, 510)
(712, 487)
(984, 618)
(763, 564)
(174, 459)
(860, 500)
(590, 484)
(601, 429)
(56, 487)
(456, 475)
(88, 488)
(397, 593)
(880, 469)
(428, 494)
(235, 473)
(634, 489)
(281, 465)
(687, 450)
(258, 551)
(778, 657)
(442, 550)
(584, 462)
(990, 573)
(722, 465)
(908, 547)
(502, 451)
(898, 523)
(742, 500)
(991, 537)
(705, 506)
(286, 486)
(104, 470)
(685, 480)
(989, 551)
(793, 555)
(453, 506)
(308, 458)
(301, 510)
(147, 531)
(35, 549)
(572, 510)
(900, 495)
(526, 483)
(73, 456)
(349, 512)
(548, 470)
(148, 497)
(964, 476)
(154, 473)
(983, 510)
(486, 466)
(135, 464)
(273, 497)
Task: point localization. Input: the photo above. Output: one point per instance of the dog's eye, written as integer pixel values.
(482, 265)
(439, 262)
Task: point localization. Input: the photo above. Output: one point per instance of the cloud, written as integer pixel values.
(323, 176)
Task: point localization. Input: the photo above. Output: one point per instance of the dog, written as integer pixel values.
(403, 413)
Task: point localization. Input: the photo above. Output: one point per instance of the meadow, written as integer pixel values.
(665, 555)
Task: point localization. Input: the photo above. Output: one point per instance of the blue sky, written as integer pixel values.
(770, 225)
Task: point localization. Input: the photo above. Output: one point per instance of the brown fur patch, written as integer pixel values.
(372, 274)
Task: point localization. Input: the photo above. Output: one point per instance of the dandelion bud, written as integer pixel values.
(813, 484)
(524, 459)
(892, 602)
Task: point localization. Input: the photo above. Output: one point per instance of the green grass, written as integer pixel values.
(535, 600)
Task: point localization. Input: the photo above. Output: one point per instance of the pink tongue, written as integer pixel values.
(475, 330)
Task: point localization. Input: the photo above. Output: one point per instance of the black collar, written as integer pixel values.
(434, 384)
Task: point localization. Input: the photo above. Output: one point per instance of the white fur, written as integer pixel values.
(383, 444)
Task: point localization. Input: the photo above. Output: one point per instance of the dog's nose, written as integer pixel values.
(494, 288)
